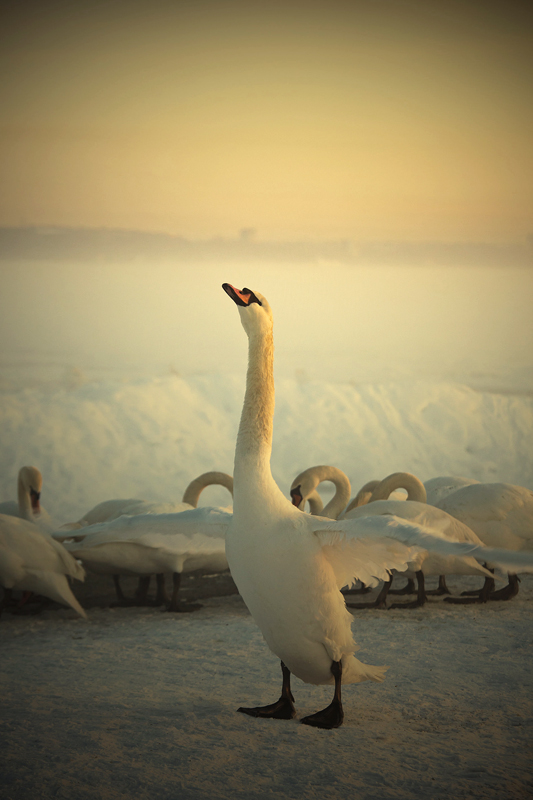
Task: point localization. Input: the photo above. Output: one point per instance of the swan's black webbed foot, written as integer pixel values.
(479, 596)
(332, 716)
(509, 591)
(409, 588)
(442, 588)
(379, 602)
(282, 708)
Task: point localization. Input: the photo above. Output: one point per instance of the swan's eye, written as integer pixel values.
(251, 297)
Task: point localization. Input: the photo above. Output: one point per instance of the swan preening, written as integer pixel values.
(288, 565)
(32, 561)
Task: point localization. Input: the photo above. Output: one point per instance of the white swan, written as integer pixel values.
(156, 543)
(32, 561)
(289, 565)
(114, 509)
(502, 516)
(28, 506)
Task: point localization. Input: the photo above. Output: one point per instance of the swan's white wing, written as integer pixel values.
(367, 548)
(207, 521)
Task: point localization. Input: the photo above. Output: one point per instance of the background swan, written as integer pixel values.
(32, 561)
(502, 516)
(156, 543)
(114, 509)
(289, 565)
(28, 505)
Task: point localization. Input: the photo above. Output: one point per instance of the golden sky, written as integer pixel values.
(370, 119)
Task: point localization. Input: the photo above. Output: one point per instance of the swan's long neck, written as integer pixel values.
(195, 488)
(24, 501)
(400, 480)
(342, 490)
(254, 439)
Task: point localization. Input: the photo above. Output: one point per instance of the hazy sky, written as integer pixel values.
(369, 119)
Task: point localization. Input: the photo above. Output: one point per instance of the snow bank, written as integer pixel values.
(149, 438)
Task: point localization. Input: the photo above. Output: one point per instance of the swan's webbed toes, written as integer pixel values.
(281, 709)
(330, 717)
(465, 601)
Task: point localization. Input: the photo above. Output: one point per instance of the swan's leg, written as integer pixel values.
(409, 588)
(443, 589)
(282, 708)
(379, 602)
(333, 715)
(479, 596)
(161, 597)
(363, 589)
(175, 605)
(509, 591)
(118, 588)
(420, 594)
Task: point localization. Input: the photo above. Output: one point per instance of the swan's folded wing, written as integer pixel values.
(367, 548)
(207, 521)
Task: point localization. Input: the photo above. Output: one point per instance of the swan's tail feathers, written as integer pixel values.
(354, 671)
(52, 585)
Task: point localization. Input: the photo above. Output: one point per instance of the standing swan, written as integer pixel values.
(289, 565)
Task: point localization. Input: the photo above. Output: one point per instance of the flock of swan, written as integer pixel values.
(293, 569)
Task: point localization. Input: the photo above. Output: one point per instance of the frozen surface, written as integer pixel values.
(139, 703)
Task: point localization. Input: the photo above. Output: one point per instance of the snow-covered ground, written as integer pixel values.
(138, 703)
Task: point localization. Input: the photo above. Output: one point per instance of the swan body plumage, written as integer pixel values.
(155, 543)
(439, 488)
(500, 513)
(31, 560)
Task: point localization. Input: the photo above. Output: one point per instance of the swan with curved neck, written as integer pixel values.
(304, 486)
(29, 487)
(288, 565)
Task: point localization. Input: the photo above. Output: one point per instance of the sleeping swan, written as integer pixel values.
(288, 565)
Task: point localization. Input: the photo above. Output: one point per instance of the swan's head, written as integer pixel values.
(256, 314)
(32, 482)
